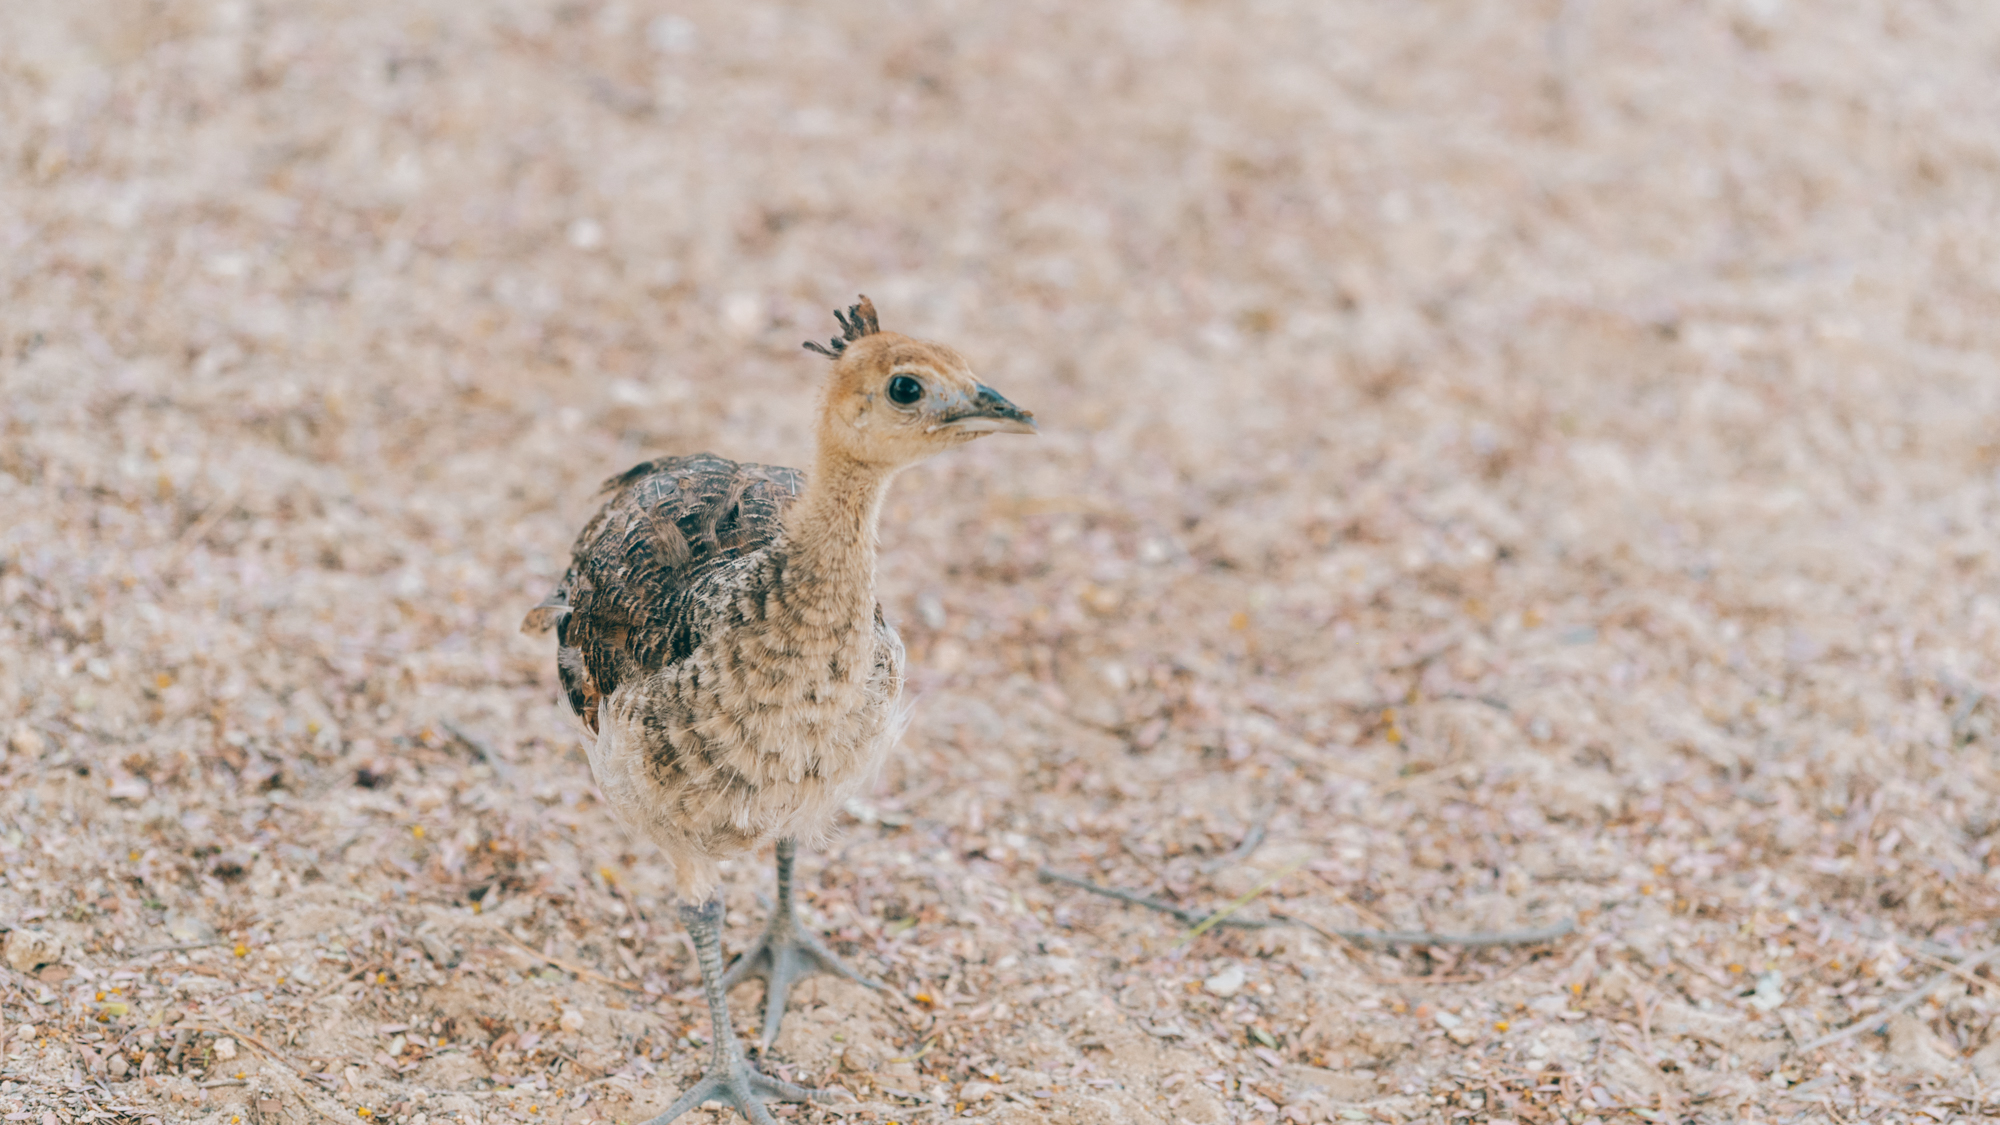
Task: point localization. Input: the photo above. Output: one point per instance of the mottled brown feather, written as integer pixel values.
(630, 601)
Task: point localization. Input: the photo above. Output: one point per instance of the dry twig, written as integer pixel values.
(191, 536)
(1477, 939)
(1877, 1019)
(567, 966)
(1382, 937)
(1188, 917)
(187, 1030)
(1361, 911)
(1959, 971)
(1222, 915)
(1252, 839)
(244, 1036)
(345, 979)
(177, 947)
(480, 747)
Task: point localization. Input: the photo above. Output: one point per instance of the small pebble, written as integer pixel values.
(1225, 983)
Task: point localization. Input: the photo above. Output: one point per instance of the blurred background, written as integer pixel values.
(1502, 462)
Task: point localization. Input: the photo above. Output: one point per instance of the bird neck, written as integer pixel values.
(832, 528)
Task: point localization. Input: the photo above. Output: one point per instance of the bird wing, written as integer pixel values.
(628, 602)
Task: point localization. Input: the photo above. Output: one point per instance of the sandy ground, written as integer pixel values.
(1505, 463)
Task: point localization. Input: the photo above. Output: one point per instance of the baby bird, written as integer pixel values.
(718, 635)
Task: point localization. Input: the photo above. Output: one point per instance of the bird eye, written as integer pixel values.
(904, 390)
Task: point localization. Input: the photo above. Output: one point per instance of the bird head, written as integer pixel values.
(892, 401)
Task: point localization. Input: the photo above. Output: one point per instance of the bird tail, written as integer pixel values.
(544, 617)
(549, 614)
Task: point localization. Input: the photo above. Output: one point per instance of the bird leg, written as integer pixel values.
(787, 952)
(730, 1076)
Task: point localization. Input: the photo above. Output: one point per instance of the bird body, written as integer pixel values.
(719, 636)
(724, 644)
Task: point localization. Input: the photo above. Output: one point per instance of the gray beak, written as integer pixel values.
(987, 411)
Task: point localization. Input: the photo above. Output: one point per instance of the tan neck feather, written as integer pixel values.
(832, 528)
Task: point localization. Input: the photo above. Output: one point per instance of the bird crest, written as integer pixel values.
(858, 321)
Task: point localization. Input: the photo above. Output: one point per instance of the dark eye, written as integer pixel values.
(904, 390)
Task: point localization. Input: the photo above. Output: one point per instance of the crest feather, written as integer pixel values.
(858, 321)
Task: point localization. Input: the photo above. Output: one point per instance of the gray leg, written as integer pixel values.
(730, 1076)
(787, 953)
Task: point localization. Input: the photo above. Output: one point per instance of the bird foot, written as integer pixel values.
(733, 1080)
(786, 954)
